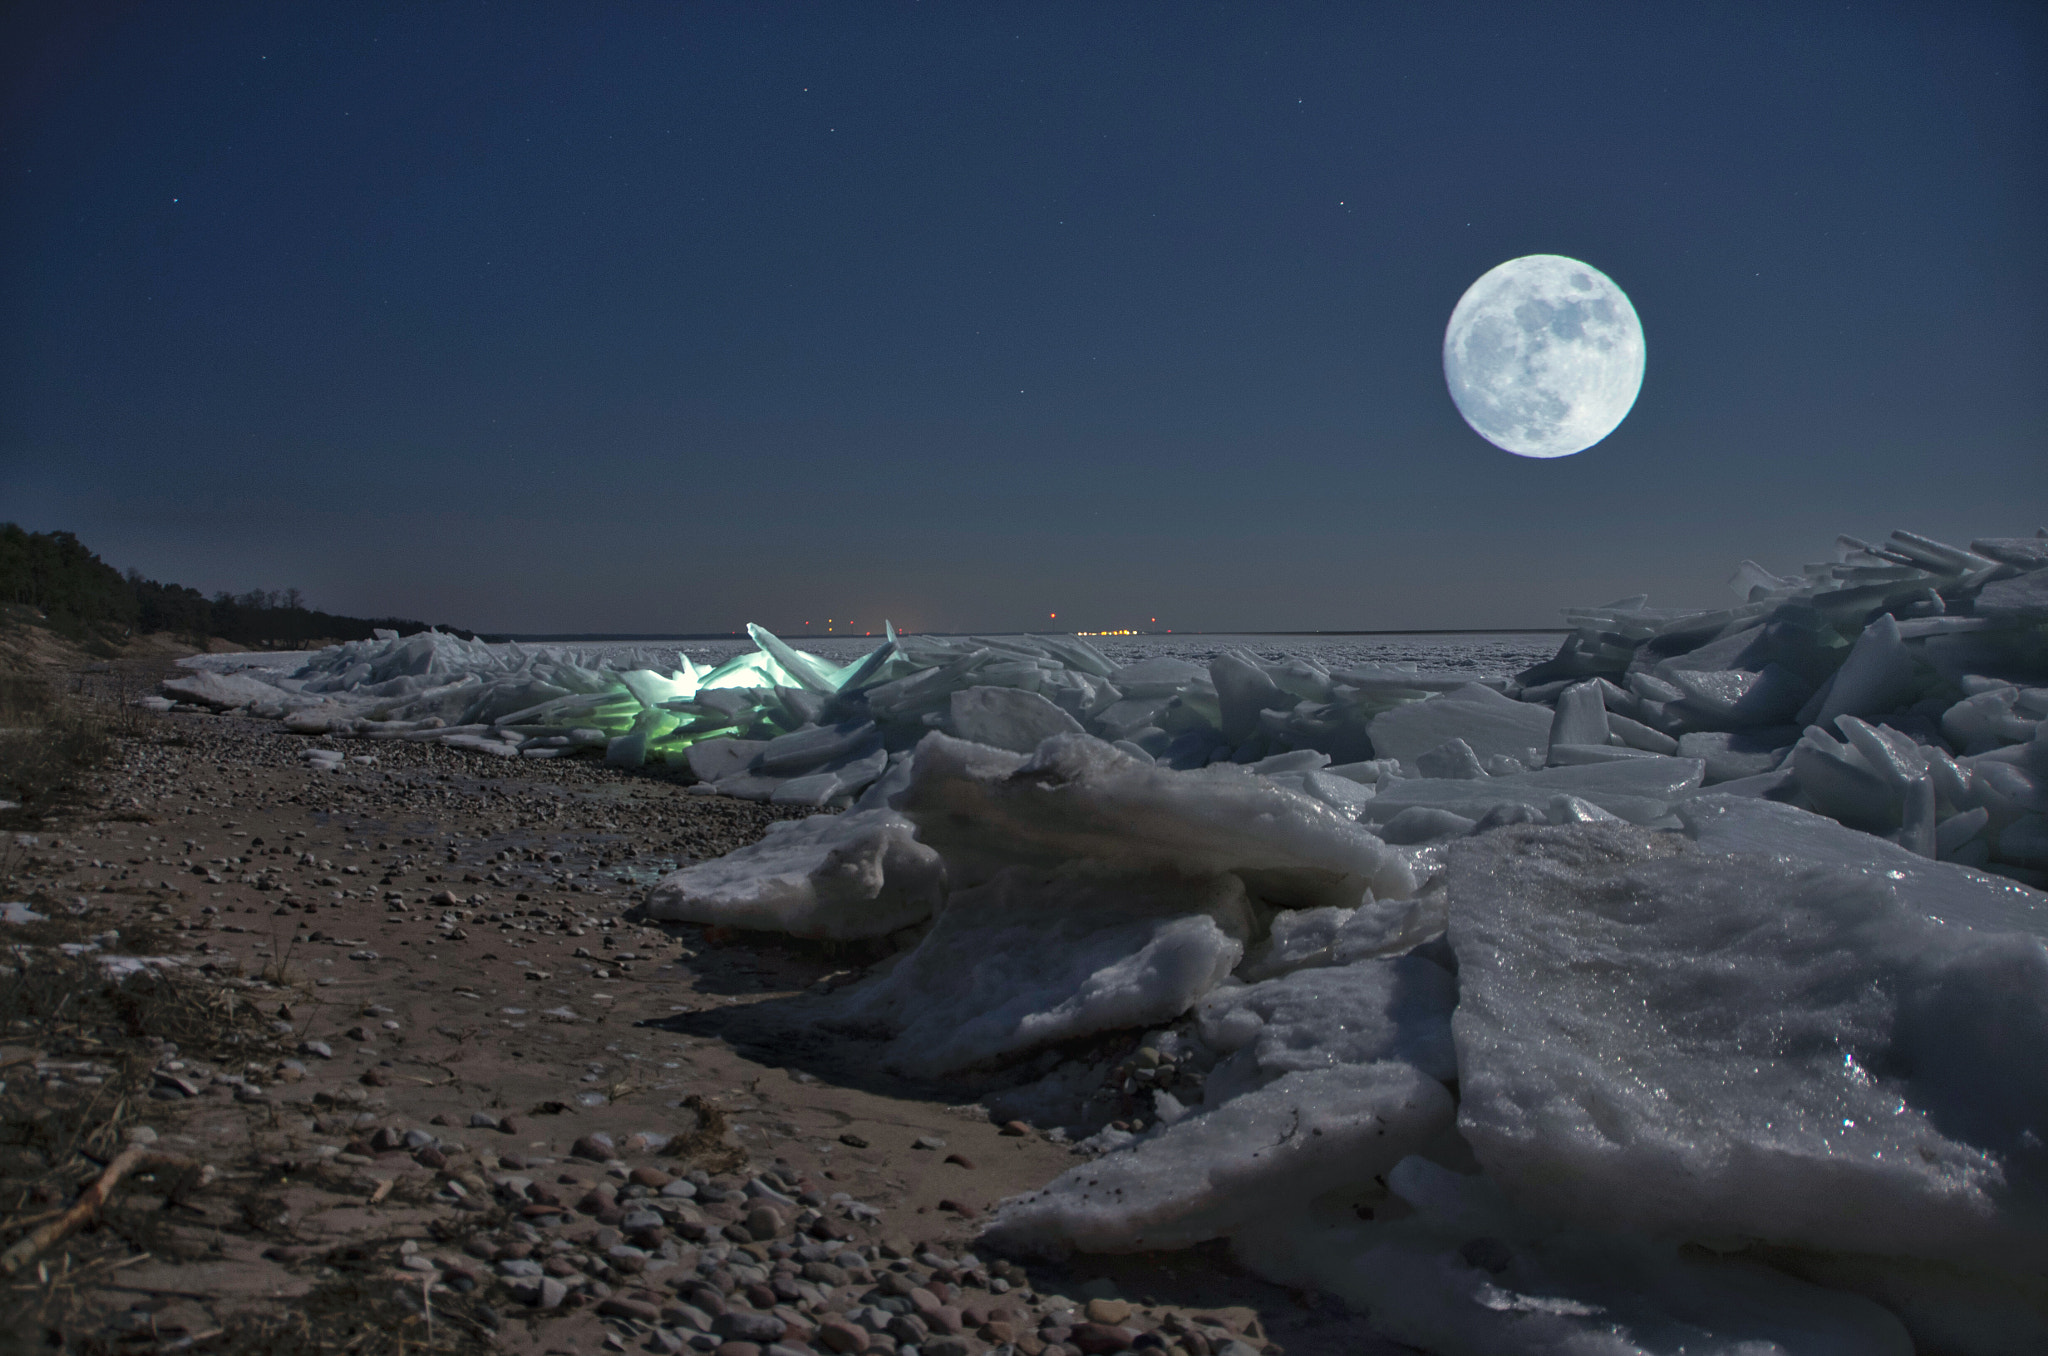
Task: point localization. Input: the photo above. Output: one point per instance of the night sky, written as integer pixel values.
(646, 318)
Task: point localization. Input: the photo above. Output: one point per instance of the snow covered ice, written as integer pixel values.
(1683, 991)
(1271, 1152)
(833, 877)
(1029, 958)
(1898, 688)
(1080, 801)
(1696, 1045)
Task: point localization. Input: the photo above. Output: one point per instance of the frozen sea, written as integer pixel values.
(1481, 654)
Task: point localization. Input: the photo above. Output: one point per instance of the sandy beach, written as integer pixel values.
(455, 1091)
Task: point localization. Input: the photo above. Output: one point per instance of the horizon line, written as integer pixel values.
(595, 636)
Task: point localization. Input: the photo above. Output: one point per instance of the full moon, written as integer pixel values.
(1544, 356)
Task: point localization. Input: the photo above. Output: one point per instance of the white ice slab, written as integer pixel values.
(1460, 1275)
(1323, 1016)
(1269, 1151)
(1029, 958)
(859, 874)
(1079, 801)
(1794, 838)
(1688, 1044)
(1482, 717)
(1006, 718)
(1640, 790)
(221, 691)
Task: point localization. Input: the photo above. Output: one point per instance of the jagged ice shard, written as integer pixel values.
(1686, 992)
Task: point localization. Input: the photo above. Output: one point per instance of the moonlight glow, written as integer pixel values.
(1544, 356)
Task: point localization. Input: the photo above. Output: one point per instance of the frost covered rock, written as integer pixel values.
(1695, 1045)
(1269, 1151)
(1078, 801)
(859, 874)
(1029, 957)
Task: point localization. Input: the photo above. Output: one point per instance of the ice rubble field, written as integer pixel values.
(1686, 991)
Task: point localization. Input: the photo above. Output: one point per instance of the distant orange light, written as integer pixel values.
(1054, 615)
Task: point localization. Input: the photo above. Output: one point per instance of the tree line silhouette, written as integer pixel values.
(81, 596)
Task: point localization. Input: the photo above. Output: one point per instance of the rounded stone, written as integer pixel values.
(1099, 1339)
(741, 1325)
(845, 1338)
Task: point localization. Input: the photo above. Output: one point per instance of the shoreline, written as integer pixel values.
(548, 1000)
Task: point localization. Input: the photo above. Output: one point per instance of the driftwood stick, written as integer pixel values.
(134, 1158)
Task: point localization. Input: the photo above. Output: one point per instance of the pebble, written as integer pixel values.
(597, 1147)
(682, 1314)
(173, 1086)
(1108, 1310)
(1100, 1339)
(619, 1306)
(840, 1336)
(741, 1325)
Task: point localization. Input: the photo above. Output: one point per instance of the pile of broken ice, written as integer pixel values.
(1687, 993)
(1514, 1036)
(1887, 689)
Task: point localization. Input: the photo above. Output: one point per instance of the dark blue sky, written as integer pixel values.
(667, 317)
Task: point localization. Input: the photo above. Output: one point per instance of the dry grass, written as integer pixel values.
(363, 1310)
(54, 1141)
(48, 742)
(709, 1144)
